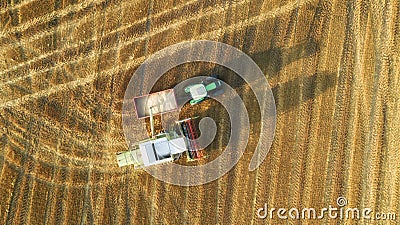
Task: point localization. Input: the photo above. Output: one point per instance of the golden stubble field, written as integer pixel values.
(333, 67)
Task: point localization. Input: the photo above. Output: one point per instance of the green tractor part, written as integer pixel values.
(199, 92)
(211, 86)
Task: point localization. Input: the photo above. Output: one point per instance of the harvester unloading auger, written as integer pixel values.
(169, 145)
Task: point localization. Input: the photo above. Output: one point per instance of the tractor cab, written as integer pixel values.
(200, 92)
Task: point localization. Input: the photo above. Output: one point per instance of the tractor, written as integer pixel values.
(211, 86)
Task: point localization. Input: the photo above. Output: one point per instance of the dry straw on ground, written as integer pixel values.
(333, 67)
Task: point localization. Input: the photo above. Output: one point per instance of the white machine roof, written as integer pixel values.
(177, 145)
(161, 150)
(198, 91)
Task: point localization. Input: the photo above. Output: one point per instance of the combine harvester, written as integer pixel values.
(166, 146)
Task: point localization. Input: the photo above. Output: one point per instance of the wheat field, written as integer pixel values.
(333, 67)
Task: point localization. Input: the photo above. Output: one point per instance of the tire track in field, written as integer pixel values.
(393, 117)
(59, 155)
(376, 143)
(265, 193)
(352, 156)
(285, 32)
(116, 175)
(304, 144)
(15, 138)
(293, 137)
(76, 23)
(8, 178)
(157, 213)
(257, 171)
(81, 81)
(13, 210)
(223, 182)
(245, 194)
(52, 193)
(16, 6)
(371, 146)
(97, 196)
(14, 196)
(230, 28)
(58, 212)
(232, 180)
(324, 61)
(308, 116)
(235, 194)
(341, 115)
(74, 200)
(50, 16)
(121, 29)
(345, 100)
(152, 182)
(47, 124)
(142, 195)
(13, 207)
(384, 162)
(29, 168)
(127, 206)
(127, 42)
(96, 97)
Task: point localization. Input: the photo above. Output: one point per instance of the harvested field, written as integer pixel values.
(333, 67)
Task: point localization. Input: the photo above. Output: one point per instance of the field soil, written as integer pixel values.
(333, 67)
